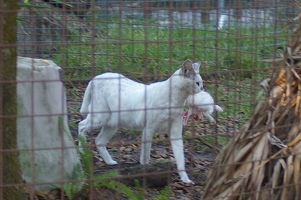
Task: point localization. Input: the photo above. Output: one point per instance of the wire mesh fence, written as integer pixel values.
(62, 45)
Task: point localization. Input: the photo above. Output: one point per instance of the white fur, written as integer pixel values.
(112, 101)
(201, 104)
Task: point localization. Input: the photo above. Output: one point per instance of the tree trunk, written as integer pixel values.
(10, 174)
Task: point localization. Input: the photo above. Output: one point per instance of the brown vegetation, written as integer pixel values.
(263, 159)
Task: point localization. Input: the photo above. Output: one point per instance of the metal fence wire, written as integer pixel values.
(62, 45)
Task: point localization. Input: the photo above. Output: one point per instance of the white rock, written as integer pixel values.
(47, 152)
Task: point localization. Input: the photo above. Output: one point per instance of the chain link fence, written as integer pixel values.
(62, 45)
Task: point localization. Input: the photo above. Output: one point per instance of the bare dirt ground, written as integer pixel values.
(200, 153)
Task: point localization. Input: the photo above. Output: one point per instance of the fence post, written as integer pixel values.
(10, 173)
(205, 16)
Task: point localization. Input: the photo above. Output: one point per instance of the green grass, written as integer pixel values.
(147, 52)
(134, 46)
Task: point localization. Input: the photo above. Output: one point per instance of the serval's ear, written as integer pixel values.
(187, 67)
(196, 66)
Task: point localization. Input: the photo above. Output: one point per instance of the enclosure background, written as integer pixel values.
(236, 41)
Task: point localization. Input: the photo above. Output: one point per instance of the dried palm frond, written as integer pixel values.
(263, 160)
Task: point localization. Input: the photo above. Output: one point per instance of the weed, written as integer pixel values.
(164, 194)
(105, 180)
(86, 156)
(73, 125)
(71, 189)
